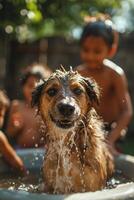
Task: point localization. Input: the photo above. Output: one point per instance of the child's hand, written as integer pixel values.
(9, 154)
(18, 163)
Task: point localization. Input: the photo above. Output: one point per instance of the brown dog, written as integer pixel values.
(77, 158)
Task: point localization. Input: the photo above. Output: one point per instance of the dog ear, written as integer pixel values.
(36, 94)
(92, 90)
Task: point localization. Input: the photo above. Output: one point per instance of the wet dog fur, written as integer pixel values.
(77, 157)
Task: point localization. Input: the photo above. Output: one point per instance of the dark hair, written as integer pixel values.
(99, 28)
(37, 71)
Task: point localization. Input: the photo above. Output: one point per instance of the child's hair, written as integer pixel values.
(36, 70)
(100, 26)
(4, 101)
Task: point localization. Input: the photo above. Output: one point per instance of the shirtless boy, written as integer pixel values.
(97, 45)
(23, 125)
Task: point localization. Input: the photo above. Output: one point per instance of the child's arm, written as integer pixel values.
(9, 154)
(15, 122)
(124, 101)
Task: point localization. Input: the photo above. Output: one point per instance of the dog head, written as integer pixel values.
(64, 98)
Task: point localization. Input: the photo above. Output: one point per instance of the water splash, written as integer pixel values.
(63, 147)
(64, 159)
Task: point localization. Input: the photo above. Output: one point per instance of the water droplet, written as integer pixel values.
(27, 172)
(36, 158)
(36, 145)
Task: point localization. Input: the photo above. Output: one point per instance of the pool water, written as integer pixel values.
(118, 178)
(33, 182)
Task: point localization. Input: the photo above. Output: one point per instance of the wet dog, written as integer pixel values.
(77, 157)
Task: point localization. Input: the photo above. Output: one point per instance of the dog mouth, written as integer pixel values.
(65, 124)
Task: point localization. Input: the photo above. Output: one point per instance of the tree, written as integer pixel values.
(33, 19)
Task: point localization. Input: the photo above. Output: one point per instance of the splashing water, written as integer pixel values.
(30, 182)
(33, 182)
(63, 147)
(64, 158)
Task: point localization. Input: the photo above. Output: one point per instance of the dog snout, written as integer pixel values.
(66, 109)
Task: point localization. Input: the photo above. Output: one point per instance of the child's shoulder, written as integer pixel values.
(113, 68)
(110, 67)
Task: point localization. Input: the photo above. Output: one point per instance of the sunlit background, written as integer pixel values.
(29, 20)
(48, 31)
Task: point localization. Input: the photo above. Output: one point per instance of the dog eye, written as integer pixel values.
(77, 91)
(52, 92)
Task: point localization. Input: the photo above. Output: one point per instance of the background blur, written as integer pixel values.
(48, 31)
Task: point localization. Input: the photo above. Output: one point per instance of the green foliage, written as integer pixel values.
(32, 19)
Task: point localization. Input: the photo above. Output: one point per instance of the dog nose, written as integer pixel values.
(66, 109)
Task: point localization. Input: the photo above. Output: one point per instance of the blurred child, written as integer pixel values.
(5, 148)
(24, 124)
(99, 42)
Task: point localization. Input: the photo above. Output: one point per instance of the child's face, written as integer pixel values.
(2, 114)
(94, 50)
(28, 87)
